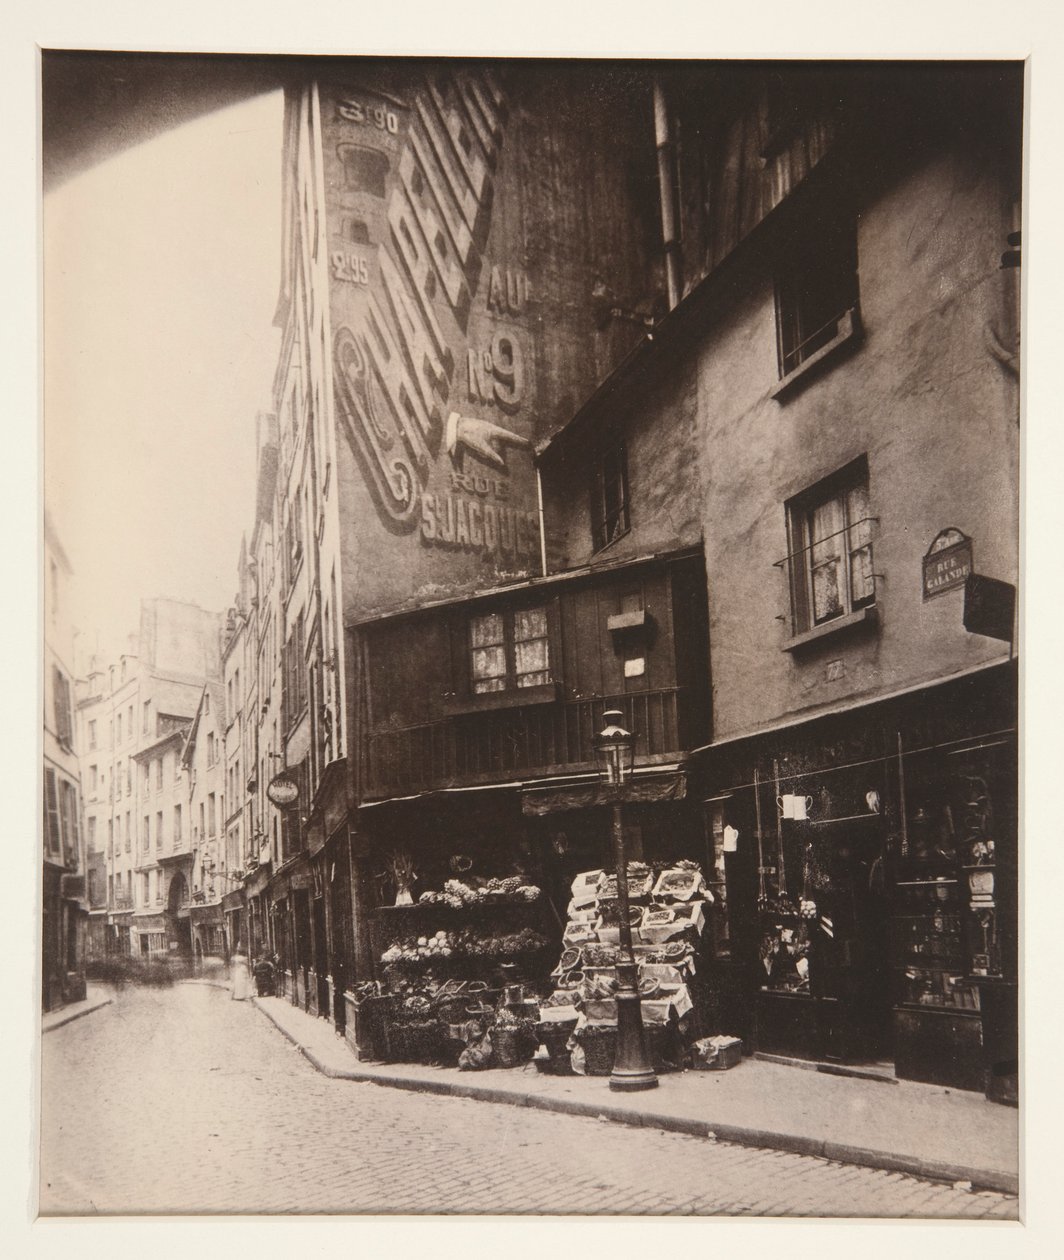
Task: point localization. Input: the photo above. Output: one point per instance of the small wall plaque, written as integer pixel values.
(947, 563)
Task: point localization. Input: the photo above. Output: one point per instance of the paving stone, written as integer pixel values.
(180, 1100)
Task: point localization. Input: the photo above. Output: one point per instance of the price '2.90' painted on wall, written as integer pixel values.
(352, 110)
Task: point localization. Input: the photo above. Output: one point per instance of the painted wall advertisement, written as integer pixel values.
(446, 350)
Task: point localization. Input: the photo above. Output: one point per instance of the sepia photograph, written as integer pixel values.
(531, 659)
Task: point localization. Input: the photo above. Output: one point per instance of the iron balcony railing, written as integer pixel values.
(504, 744)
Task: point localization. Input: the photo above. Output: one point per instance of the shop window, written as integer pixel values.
(816, 292)
(722, 840)
(609, 497)
(830, 559)
(509, 650)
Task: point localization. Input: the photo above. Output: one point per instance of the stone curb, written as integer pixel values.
(738, 1135)
(69, 1019)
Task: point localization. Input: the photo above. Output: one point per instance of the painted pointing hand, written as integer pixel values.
(482, 438)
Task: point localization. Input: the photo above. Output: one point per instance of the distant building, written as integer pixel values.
(65, 896)
(204, 865)
(134, 717)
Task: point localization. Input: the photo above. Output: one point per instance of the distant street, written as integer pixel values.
(180, 1100)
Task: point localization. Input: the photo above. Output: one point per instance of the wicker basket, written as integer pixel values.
(415, 1041)
(512, 1046)
(599, 1043)
(556, 1039)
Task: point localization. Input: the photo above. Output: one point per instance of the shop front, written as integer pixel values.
(208, 932)
(472, 919)
(233, 917)
(64, 932)
(870, 861)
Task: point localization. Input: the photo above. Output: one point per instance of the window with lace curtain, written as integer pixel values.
(509, 650)
(831, 549)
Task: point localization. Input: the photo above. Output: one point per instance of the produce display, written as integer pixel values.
(667, 917)
(464, 943)
(456, 894)
(446, 993)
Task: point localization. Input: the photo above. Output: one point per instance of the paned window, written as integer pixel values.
(831, 549)
(52, 833)
(159, 830)
(64, 724)
(68, 813)
(609, 496)
(509, 650)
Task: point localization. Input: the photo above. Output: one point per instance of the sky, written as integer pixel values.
(161, 275)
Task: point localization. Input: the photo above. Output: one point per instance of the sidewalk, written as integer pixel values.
(94, 998)
(905, 1127)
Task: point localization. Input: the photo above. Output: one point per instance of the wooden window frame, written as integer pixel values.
(609, 524)
(818, 274)
(511, 679)
(799, 510)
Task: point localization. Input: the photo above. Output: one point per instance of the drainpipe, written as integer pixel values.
(670, 234)
(542, 524)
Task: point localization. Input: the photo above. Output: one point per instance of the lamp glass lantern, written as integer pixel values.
(615, 750)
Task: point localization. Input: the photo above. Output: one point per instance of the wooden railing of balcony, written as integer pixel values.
(505, 744)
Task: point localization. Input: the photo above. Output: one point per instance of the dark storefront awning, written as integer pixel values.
(642, 791)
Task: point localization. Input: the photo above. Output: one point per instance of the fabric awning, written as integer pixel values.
(643, 790)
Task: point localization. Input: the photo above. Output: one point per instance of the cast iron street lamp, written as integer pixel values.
(631, 1065)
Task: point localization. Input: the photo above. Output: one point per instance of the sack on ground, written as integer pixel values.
(477, 1056)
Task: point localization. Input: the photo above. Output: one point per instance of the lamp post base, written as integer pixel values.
(631, 1065)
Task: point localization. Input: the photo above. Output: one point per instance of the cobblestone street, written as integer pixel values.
(180, 1100)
